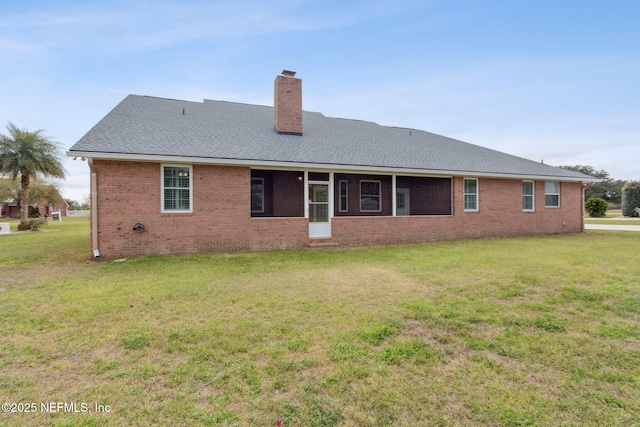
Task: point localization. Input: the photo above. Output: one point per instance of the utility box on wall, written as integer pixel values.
(4, 228)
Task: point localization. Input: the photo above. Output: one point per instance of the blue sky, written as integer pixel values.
(557, 81)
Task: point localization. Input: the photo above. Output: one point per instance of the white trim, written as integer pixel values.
(331, 197)
(394, 195)
(306, 194)
(322, 230)
(533, 196)
(552, 194)
(477, 194)
(407, 201)
(95, 232)
(346, 195)
(175, 165)
(262, 164)
(379, 194)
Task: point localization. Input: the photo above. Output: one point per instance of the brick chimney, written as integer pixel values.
(288, 104)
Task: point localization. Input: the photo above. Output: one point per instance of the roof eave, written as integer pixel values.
(317, 166)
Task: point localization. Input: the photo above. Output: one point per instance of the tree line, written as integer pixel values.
(610, 193)
(609, 189)
(25, 156)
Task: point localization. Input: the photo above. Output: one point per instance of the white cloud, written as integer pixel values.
(77, 60)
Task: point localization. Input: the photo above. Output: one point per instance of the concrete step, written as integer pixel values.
(321, 243)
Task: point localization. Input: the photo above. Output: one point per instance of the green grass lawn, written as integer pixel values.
(503, 332)
(614, 213)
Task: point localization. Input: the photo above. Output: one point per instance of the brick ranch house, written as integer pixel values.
(179, 177)
(11, 209)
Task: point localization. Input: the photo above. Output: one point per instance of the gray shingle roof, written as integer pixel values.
(149, 126)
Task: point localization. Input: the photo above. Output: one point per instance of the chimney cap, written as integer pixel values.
(288, 73)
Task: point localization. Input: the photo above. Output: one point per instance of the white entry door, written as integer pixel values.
(319, 220)
(402, 201)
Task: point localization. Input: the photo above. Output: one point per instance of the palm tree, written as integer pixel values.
(27, 155)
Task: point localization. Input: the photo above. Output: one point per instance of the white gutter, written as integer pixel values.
(314, 166)
(94, 210)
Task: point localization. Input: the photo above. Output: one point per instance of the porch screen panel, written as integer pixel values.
(370, 196)
(427, 195)
(277, 193)
(257, 195)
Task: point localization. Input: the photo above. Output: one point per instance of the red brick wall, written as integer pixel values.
(288, 104)
(499, 215)
(129, 193)
(278, 233)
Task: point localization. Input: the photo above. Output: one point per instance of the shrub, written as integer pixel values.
(596, 207)
(630, 198)
(35, 223)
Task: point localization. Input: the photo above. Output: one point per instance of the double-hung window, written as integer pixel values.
(470, 194)
(527, 196)
(176, 188)
(370, 196)
(343, 203)
(552, 194)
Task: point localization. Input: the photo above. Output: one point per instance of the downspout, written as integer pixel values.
(585, 185)
(94, 210)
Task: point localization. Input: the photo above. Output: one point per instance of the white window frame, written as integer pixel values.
(401, 201)
(162, 188)
(345, 195)
(546, 193)
(465, 194)
(262, 196)
(379, 195)
(532, 195)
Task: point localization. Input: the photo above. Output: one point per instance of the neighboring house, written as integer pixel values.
(177, 177)
(11, 208)
(48, 209)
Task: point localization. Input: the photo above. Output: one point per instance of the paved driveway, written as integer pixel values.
(612, 227)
